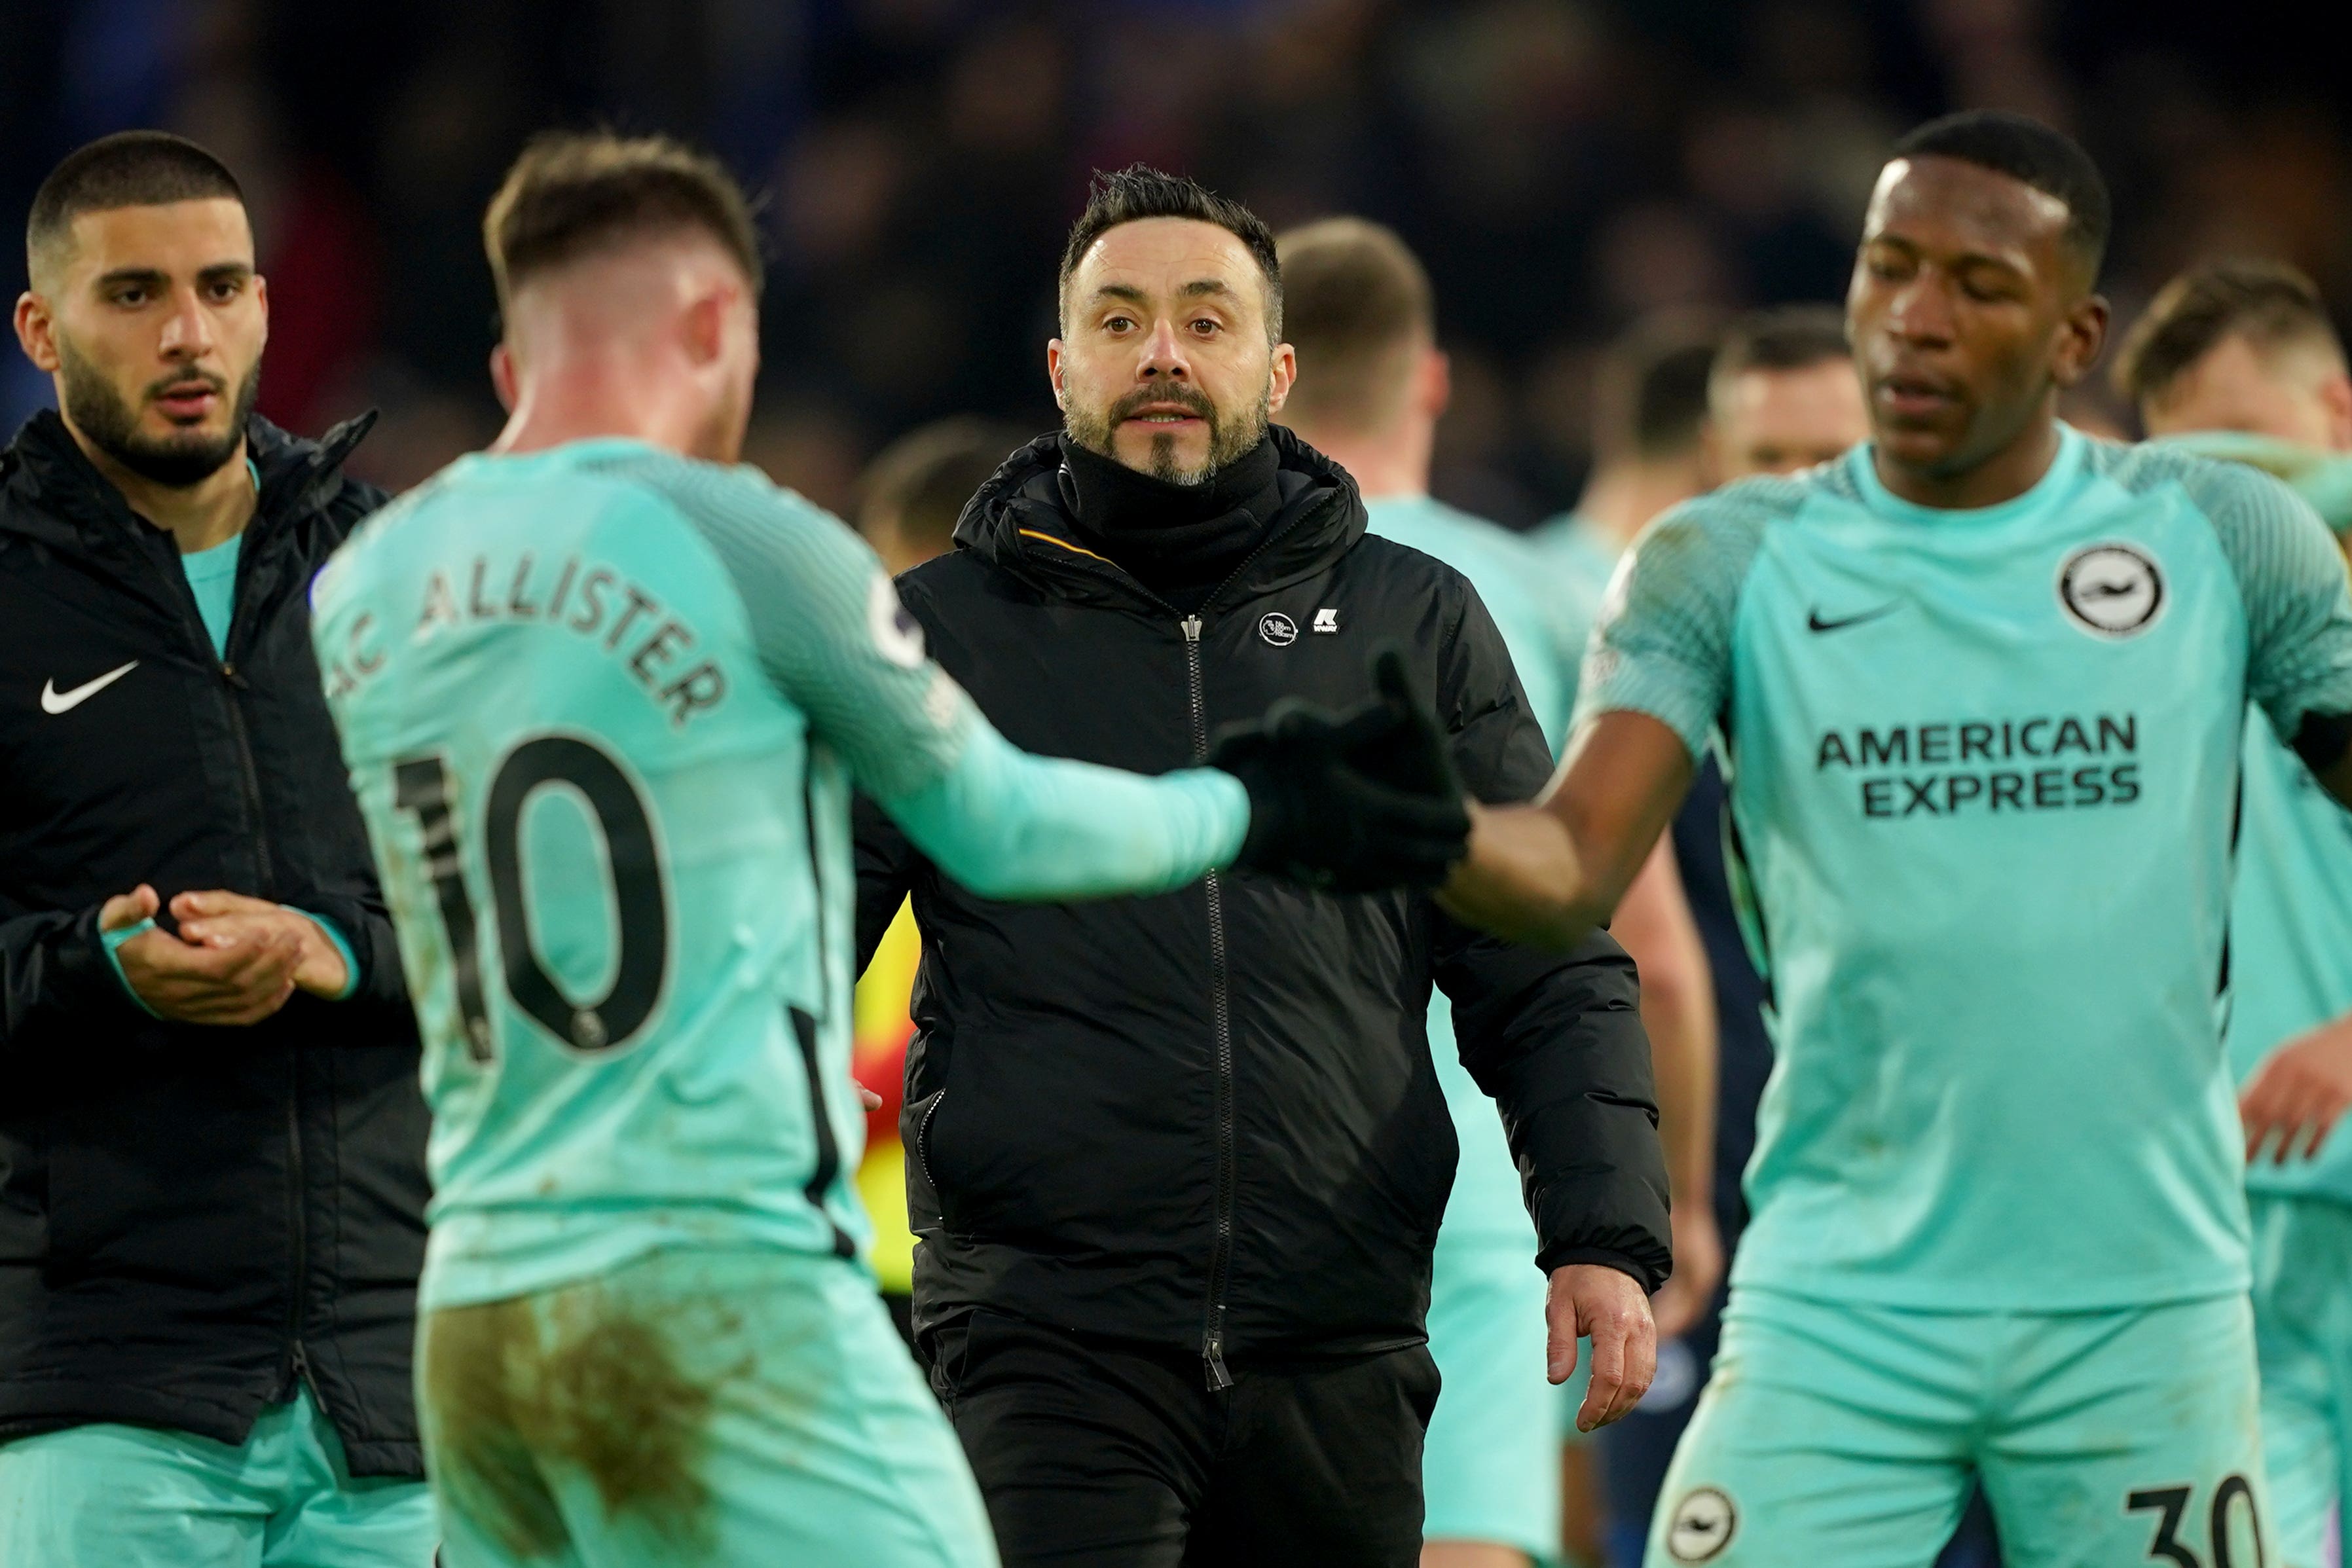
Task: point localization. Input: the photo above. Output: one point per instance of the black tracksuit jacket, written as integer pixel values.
(191, 1217)
(1209, 1120)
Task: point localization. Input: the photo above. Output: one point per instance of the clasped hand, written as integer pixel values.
(235, 961)
(1352, 803)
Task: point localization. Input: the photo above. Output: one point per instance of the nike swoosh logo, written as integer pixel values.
(55, 701)
(1814, 623)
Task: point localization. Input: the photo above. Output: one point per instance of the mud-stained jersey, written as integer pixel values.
(1984, 765)
(602, 708)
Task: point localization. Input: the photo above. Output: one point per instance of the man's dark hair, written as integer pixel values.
(2032, 152)
(1649, 398)
(919, 484)
(1139, 192)
(2268, 303)
(575, 193)
(1356, 300)
(1785, 337)
(128, 168)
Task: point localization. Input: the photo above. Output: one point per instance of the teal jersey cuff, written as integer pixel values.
(112, 942)
(342, 945)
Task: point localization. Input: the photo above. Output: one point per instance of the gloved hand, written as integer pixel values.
(1353, 803)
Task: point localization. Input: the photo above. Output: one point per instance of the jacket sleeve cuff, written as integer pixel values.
(1556, 1258)
(111, 943)
(334, 934)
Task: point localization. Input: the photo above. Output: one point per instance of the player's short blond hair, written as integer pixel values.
(573, 194)
(1357, 308)
(2268, 303)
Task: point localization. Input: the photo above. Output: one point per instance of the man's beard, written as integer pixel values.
(1227, 440)
(176, 460)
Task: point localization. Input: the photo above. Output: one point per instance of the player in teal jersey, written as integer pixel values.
(604, 702)
(1985, 823)
(2239, 360)
(1373, 384)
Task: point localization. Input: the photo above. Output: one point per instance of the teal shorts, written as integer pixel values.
(1490, 1464)
(702, 1407)
(2303, 1334)
(133, 1497)
(1848, 1435)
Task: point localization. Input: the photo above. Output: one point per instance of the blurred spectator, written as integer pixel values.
(1782, 393)
(1563, 165)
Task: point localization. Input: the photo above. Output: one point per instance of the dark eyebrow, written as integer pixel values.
(1126, 291)
(155, 278)
(1206, 286)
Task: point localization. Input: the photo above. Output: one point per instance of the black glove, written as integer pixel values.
(1353, 803)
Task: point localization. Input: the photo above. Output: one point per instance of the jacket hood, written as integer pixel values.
(1020, 522)
(50, 491)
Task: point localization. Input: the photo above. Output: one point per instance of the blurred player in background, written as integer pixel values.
(1782, 394)
(1949, 672)
(1653, 452)
(2239, 360)
(604, 700)
(907, 502)
(1371, 386)
(1649, 442)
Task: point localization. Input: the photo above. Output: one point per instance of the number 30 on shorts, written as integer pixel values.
(2232, 1499)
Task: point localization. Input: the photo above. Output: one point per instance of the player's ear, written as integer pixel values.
(2335, 397)
(37, 332)
(704, 330)
(1284, 375)
(2080, 335)
(1436, 381)
(502, 376)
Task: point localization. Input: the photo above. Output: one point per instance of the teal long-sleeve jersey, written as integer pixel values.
(1983, 773)
(603, 707)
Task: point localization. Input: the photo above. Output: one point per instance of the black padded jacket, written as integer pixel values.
(1209, 1120)
(191, 1219)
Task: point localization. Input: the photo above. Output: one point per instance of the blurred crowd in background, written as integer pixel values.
(1564, 166)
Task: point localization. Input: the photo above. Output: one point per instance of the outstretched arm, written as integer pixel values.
(1549, 871)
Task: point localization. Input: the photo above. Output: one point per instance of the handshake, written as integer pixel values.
(1351, 802)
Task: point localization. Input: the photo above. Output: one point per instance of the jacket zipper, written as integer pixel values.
(251, 776)
(297, 1365)
(1221, 1253)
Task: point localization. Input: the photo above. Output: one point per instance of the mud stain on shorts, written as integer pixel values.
(566, 1386)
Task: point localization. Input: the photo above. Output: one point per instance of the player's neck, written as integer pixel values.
(2003, 477)
(586, 395)
(1621, 497)
(1386, 464)
(212, 511)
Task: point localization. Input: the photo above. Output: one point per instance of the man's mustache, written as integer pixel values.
(187, 381)
(1191, 398)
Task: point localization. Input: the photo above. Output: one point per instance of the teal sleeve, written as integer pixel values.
(1663, 643)
(835, 641)
(112, 942)
(829, 631)
(342, 945)
(2290, 577)
(1009, 825)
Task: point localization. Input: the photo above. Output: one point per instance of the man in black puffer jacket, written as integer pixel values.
(1177, 1164)
(212, 1141)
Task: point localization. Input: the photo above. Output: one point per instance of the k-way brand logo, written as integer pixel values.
(2112, 590)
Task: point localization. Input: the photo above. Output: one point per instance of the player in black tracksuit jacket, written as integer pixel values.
(192, 1217)
(1178, 1163)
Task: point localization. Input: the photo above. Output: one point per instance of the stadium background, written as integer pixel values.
(1564, 168)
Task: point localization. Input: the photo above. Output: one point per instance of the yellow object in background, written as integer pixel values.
(879, 1061)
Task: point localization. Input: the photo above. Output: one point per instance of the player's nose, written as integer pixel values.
(187, 329)
(1164, 352)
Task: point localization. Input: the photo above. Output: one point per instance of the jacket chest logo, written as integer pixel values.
(1278, 629)
(2112, 590)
